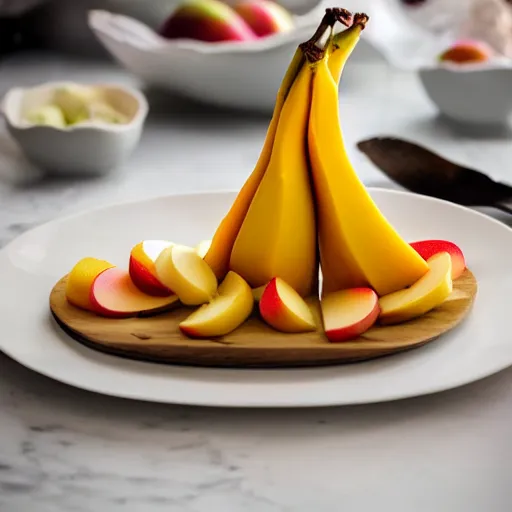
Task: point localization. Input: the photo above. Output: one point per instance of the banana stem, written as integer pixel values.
(342, 16)
(331, 16)
(312, 52)
(314, 49)
(359, 19)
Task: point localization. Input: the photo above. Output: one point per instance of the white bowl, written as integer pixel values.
(242, 75)
(470, 94)
(91, 147)
(478, 94)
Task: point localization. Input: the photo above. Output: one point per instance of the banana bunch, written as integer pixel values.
(304, 207)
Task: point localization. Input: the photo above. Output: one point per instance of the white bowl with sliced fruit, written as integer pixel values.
(70, 128)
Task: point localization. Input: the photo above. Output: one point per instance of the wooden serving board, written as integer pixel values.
(253, 344)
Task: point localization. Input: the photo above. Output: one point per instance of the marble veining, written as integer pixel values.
(67, 450)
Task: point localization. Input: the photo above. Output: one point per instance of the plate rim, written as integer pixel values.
(390, 396)
(224, 191)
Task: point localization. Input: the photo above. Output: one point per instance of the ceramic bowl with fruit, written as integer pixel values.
(70, 128)
(227, 55)
(460, 49)
(470, 83)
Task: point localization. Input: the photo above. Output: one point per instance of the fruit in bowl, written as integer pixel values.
(47, 115)
(214, 21)
(264, 16)
(467, 51)
(74, 104)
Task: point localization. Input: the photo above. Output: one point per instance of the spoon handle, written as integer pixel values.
(505, 206)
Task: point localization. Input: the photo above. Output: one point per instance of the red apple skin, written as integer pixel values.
(350, 333)
(271, 306)
(357, 329)
(264, 17)
(206, 20)
(428, 248)
(276, 313)
(97, 308)
(145, 281)
(188, 331)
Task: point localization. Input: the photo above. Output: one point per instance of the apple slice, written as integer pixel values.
(80, 280)
(349, 313)
(203, 247)
(113, 294)
(428, 248)
(423, 296)
(182, 270)
(284, 309)
(257, 293)
(227, 311)
(142, 267)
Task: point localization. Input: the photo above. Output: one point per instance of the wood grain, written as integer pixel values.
(254, 344)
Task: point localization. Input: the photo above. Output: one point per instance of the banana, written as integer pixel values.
(341, 46)
(219, 254)
(278, 236)
(358, 246)
(222, 242)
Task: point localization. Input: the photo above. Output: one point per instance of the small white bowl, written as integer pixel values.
(471, 94)
(91, 147)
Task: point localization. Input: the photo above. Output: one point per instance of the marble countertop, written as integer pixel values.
(63, 449)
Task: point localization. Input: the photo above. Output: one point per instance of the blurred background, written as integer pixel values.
(62, 24)
(458, 51)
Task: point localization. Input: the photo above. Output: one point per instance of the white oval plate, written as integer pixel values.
(31, 264)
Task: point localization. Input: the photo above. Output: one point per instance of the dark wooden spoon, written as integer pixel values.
(424, 172)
